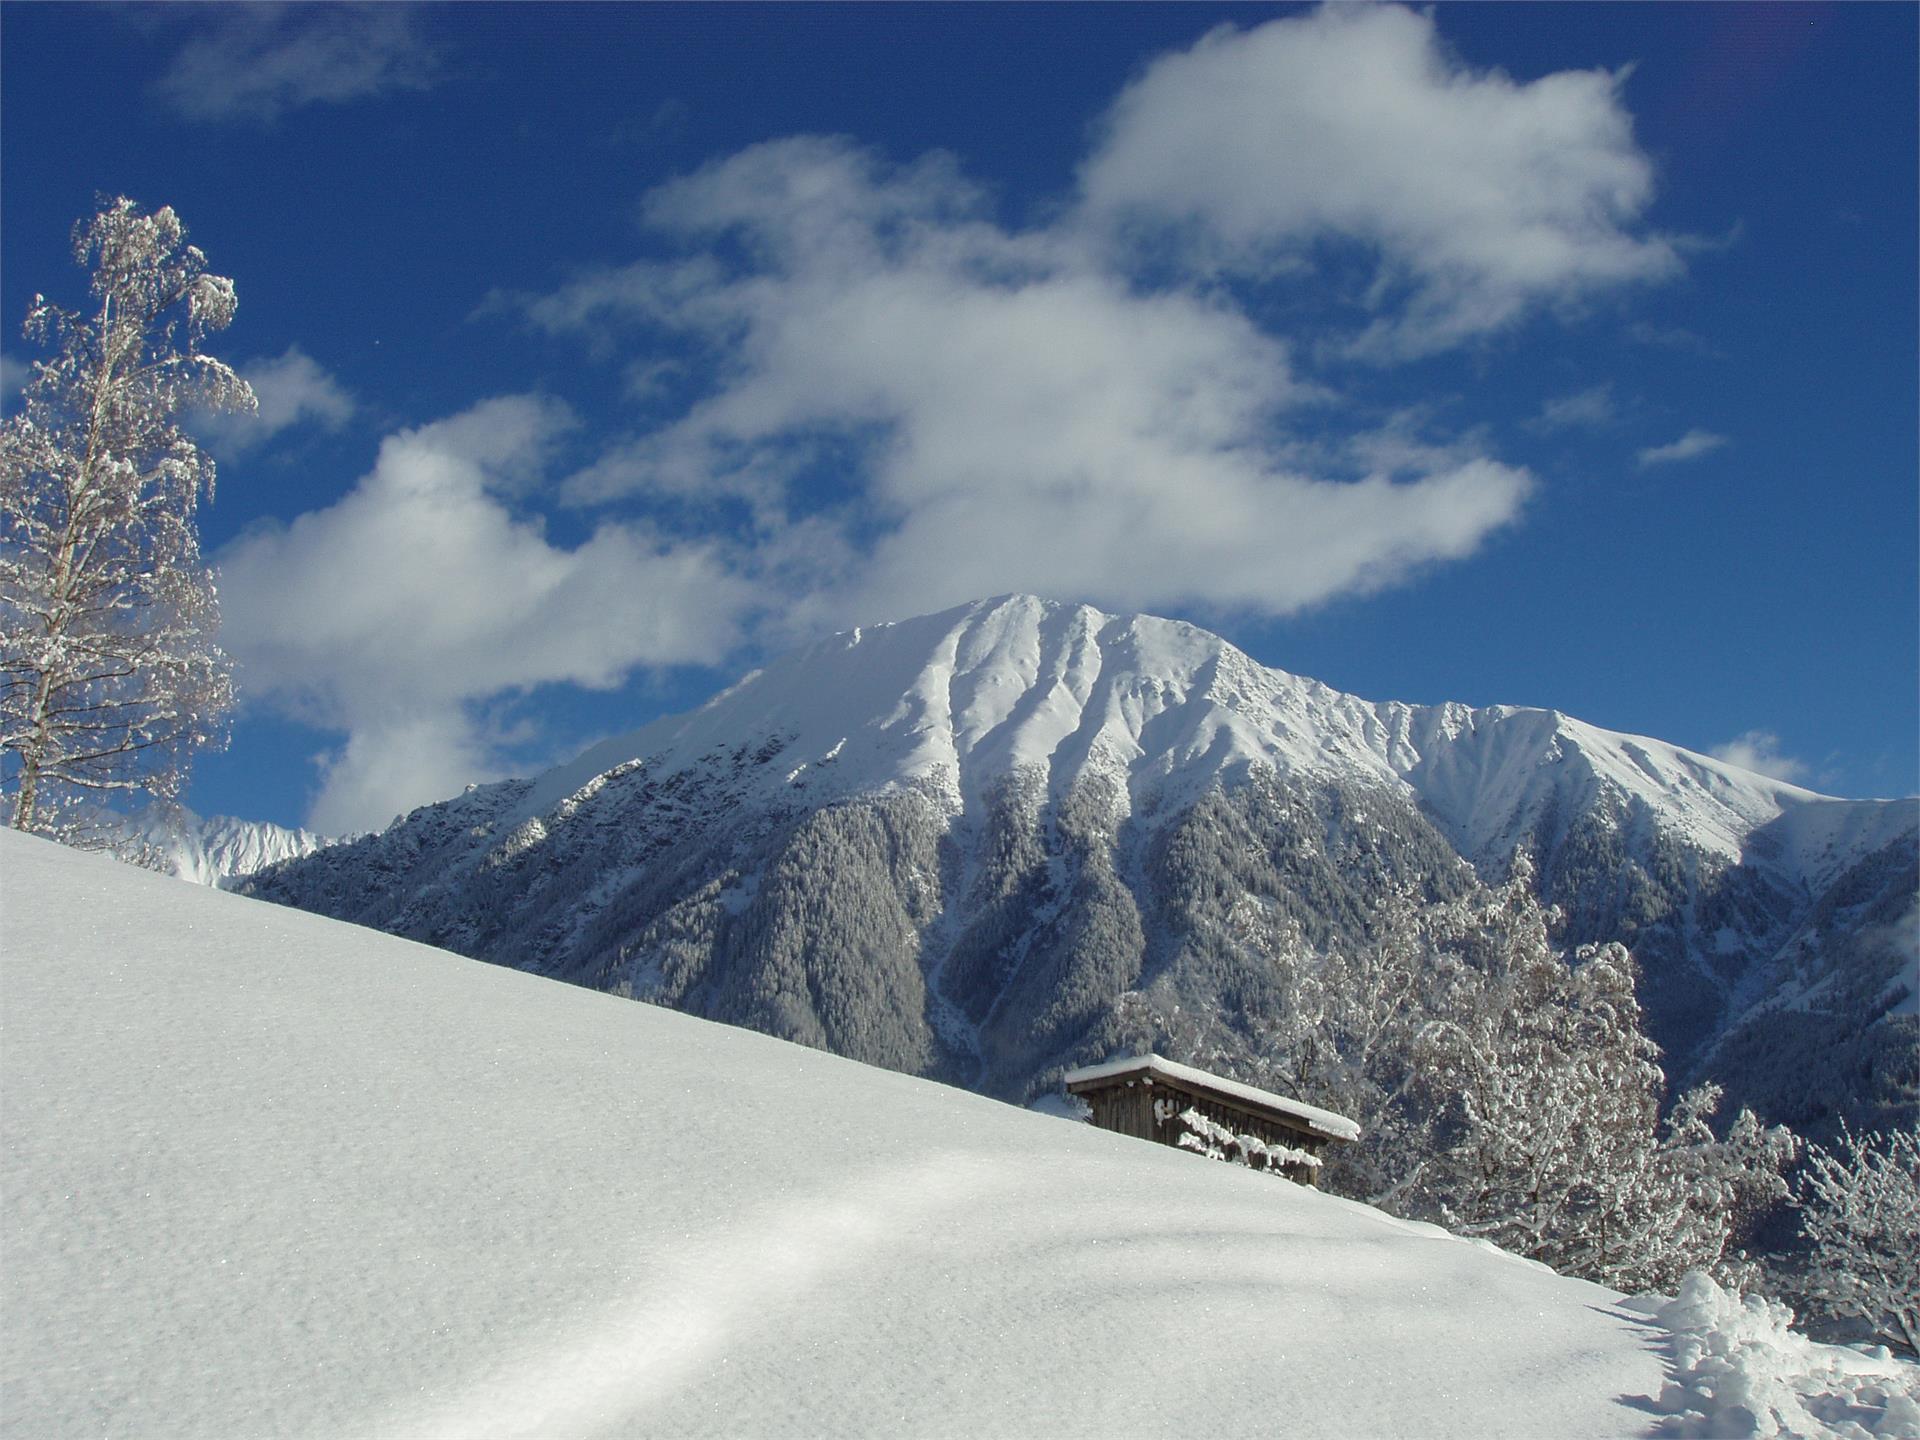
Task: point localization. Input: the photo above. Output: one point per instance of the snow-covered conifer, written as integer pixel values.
(110, 669)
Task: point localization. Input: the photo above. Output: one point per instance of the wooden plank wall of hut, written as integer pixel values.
(1152, 1112)
(1125, 1110)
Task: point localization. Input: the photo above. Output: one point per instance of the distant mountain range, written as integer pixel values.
(951, 845)
(219, 849)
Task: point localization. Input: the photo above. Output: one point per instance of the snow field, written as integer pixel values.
(267, 1174)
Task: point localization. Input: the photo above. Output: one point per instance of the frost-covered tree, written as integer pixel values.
(1504, 1087)
(1540, 1086)
(111, 674)
(1698, 1198)
(1860, 1205)
(1348, 1036)
(1543, 1097)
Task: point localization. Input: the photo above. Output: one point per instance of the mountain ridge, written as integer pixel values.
(216, 850)
(953, 844)
(1050, 657)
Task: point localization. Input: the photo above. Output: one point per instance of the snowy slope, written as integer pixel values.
(267, 1174)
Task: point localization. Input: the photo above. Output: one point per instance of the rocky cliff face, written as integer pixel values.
(953, 845)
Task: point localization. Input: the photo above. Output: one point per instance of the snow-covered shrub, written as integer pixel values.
(1709, 1194)
(1860, 1204)
(1504, 1088)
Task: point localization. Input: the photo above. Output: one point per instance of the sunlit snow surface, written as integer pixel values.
(267, 1174)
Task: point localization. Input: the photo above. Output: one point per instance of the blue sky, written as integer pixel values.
(1555, 355)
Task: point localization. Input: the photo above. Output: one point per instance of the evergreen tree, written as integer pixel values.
(111, 674)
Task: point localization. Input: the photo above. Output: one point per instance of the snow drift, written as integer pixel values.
(268, 1174)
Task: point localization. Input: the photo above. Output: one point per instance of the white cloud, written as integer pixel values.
(14, 375)
(1009, 414)
(888, 399)
(1482, 198)
(1759, 751)
(391, 763)
(259, 61)
(422, 593)
(1579, 410)
(292, 390)
(1689, 446)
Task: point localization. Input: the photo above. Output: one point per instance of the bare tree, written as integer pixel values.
(111, 673)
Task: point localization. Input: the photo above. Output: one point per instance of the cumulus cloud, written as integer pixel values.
(1580, 410)
(390, 763)
(1009, 414)
(292, 389)
(874, 395)
(392, 614)
(256, 62)
(1480, 198)
(1759, 751)
(1689, 446)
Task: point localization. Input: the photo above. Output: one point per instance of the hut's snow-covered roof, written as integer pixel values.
(1326, 1122)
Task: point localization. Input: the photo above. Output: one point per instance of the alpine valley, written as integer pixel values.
(976, 846)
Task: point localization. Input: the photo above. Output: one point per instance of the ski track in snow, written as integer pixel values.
(630, 1358)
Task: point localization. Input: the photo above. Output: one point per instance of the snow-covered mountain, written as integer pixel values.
(215, 850)
(268, 1174)
(952, 844)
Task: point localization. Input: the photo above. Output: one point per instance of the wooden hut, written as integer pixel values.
(1155, 1099)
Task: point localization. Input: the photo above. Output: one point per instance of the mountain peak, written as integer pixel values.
(962, 696)
(1163, 710)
